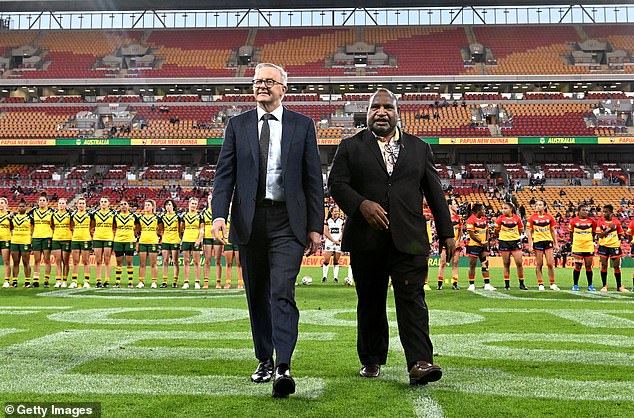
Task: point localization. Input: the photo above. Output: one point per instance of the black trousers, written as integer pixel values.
(372, 270)
(270, 265)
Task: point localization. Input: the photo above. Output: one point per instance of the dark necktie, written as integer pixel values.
(265, 136)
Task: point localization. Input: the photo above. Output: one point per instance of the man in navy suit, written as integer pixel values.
(379, 178)
(269, 168)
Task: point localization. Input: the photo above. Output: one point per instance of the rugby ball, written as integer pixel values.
(348, 281)
(307, 280)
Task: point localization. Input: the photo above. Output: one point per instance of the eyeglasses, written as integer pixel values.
(268, 82)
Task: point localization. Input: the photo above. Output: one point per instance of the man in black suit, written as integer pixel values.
(379, 178)
(269, 168)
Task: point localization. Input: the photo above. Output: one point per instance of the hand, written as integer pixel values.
(374, 215)
(314, 242)
(219, 230)
(449, 244)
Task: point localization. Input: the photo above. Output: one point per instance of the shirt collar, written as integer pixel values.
(277, 112)
(395, 139)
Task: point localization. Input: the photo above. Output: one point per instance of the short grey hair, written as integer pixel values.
(283, 73)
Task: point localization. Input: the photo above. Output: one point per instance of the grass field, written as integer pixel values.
(165, 353)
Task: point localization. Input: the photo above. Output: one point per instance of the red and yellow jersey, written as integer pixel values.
(540, 225)
(509, 229)
(21, 228)
(207, 218)
(42, 223)
(81, 226)
(582, 234)
(479, 226)
(61, 222)
(104, 220)
(5, 226)
(171, 231)
(612, 239)
(630, 231)
(456, 221)
(430, 218)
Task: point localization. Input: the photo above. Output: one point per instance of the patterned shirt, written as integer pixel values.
(42, 223)
(479, 227)
(582, 234)
(612, 239)
(540, 226)
(509, 229)
(61, 222)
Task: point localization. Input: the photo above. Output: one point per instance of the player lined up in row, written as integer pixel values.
(43, 232)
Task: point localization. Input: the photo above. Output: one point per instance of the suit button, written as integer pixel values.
(389, 185)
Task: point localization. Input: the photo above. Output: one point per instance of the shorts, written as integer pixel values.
(332, 247)
(190, 246)
(542, 245)
(41, 244)
(510, 246)
(610, 252)
(5, 245)
(81, 245)
(148, 248)
(579, 254)
(97, 243)
(477, 251)
(123, 248)
(20, 248)
(210, 241)
(170, 247)
(61, 245)
(231, 247)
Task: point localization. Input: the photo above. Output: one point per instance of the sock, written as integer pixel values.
(440, 282)
(58, 278)
(36, 278)
(47, 277)
(507, 280)
(540, 281)
(117, 274)
(335, 271)
(576, 273)
(198, 280)
(617, 276)
(324, 270)
(486, 280)
(164, 279)
(228, 280)
(153, 279)
(604, 278)
(471, 279)
(74, 278)
(589, 276)
(6, 279)
(454, 279)
(551, 280)
(175, 279)
(130, 273)
(87, 277)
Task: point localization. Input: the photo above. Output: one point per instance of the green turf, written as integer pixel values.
(169, 352)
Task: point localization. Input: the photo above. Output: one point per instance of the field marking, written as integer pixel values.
(28, 310)
(593, 297)
(483, 346)
(49, 360)
(7, 331)
(487, 381)
(157, 294)
(204, 316)
(591, 318)
(437, 317)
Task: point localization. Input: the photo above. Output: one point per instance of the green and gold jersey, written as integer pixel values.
(21, 228)
(81, 226)
(171, 231)
(104, 220)
(192, 221)
(149, 228)
(42, 223)
(61, 222)
(5, 226)
(124, 224)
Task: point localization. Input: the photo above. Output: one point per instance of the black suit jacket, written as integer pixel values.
(359, 173)
(236, 178)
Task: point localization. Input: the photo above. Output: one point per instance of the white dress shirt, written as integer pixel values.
(274, 182)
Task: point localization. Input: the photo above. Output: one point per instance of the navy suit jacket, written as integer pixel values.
(359, 173)
(236, 178)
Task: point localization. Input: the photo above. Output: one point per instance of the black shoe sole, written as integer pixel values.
(432, 376)
(283, 387)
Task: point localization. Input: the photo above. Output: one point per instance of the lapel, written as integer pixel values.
(251, 124)
(370, 143)
(402, 155)
(288, 130)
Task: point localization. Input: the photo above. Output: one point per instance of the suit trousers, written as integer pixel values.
(270, 265)
(372, 270)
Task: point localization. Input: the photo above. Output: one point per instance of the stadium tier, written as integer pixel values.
(183, 53)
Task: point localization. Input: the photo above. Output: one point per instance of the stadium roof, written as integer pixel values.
(113, 5)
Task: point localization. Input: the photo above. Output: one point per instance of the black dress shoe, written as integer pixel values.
(423, 372)
(283, 383)
(370, 370)
(263, 373)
